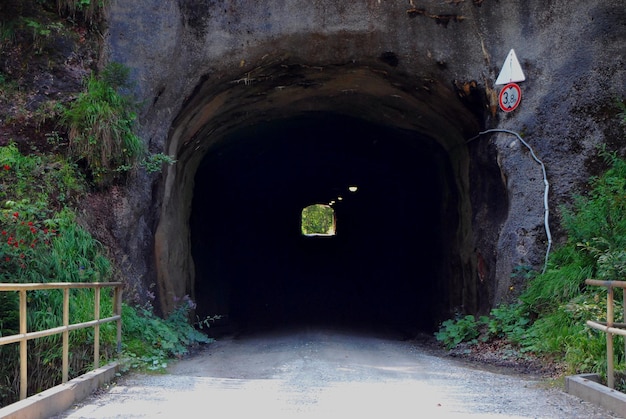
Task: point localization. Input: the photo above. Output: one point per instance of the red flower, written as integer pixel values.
(8, 259)
(4, 233)
(16, 214)
(7, 167)
(30, 223)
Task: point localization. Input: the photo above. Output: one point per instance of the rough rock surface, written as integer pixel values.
(571, 52)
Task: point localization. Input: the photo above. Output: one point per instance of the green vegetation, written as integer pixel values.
(88, 11)
(318, 219)
(41, 241)
(149, 341)
(549, 318)
(100, 129)
(38, 229)
(62, 149)
(462, 329)
(100, 123)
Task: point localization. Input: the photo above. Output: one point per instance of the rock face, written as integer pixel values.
(205, 70)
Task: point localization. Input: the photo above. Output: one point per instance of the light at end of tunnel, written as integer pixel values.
(353, 188)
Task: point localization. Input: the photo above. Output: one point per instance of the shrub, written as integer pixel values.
(453, 332)
(149, 341)
(100, 123)
(40, 241)
(507, 321)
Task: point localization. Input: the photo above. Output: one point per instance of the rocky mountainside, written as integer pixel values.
(203, 70)
(46, 53)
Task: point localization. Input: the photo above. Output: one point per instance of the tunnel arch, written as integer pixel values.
(413, 120)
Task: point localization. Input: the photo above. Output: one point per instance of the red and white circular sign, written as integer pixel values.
(510, 97)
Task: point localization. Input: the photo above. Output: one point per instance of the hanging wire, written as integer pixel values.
(545, 181)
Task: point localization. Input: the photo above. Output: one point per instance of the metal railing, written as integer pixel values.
(24, 336)
(610, 327)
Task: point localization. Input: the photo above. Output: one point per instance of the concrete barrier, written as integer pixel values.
(587, 387)
(60, 398)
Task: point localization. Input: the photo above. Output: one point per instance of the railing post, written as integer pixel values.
(117, 310)
(66, 333)
(23, 347)
(96, 329)
(610, 378)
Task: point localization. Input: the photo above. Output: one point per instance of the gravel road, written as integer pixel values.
(322, 373)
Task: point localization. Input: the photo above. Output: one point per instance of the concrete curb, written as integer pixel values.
(60, 398)
(588, 388)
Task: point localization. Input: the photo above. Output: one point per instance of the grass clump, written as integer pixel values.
(101, 133)
(100, 126)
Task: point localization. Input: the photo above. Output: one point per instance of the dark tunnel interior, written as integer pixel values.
(384, 267)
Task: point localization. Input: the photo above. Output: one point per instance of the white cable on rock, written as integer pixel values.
(545, 181)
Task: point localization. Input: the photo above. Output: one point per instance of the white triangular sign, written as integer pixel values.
(511, 70)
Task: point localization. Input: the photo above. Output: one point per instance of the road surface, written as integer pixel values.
(323, 373)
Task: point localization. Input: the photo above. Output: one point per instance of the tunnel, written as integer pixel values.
(252, 156)
(232, 81)
(382, 266)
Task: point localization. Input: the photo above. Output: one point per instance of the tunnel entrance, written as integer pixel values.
(386, 265)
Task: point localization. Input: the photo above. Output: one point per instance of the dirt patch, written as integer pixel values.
(496, 354)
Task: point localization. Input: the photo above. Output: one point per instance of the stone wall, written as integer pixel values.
(188, 58)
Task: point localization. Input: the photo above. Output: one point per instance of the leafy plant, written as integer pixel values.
(453, 332)
(150, 341)
(40, 31)
(154, 162)
(510, 321)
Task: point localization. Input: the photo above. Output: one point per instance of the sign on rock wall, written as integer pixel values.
(511, 72)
